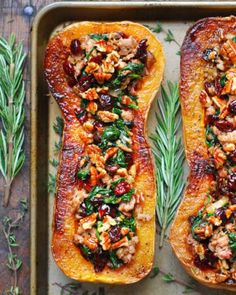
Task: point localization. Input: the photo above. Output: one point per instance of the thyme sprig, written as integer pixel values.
(169, 36)
(58, 126)
(168, 277)
(12, 95)
(169, 156)
(14, 263)
(76, 289)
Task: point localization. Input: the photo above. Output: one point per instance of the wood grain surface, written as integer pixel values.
(17, 16)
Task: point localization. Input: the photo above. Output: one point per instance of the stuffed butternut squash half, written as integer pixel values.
(203, 234)
(104, 77)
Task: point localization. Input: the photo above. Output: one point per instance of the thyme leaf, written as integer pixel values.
(12, 114)
(14, 263)
(169, 156)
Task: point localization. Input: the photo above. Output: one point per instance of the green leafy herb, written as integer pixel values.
(14, 263)
(54, 163)
(158, 28)
(133, 106)
(111, 133)
(234, 39)
(58, 126)
(134, 68)
(12, 114)
(116, 111)
(195, 223)
(127, 197)
(115, 261)
(99, 37)
(168, 278)
(114, 183)
(83, 174)
(223, 80)
(51, 183)
(129, 223)
(211, 138)
(89, 53)
(99, 190)
(120, 159)
(232, 241)
(155, 271)
(110, 200)
(169, 157)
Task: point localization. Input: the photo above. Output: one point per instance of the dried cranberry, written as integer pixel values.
(232, 157)
(104, 209)
(96, 201)
(233, 201)
(75, 47)
(97, 59)
(106, 101)
(232, 181)
(114, 234)
(211, 119)
(129, 159)
(111, 169)
(82, 115)
(68, 68)
(98, 124)
(97, 137)
(84, 83)
(218, 87)
(206, 263)
(122, 188)
(82, 210)
(100, 260)
(224, 126)
(220, 212)
(87, 186)
(71, 81)
(141, 52)
(232, 107)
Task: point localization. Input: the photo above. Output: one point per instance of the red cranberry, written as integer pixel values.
(220, 212)
(82, 115)
(87, 186)
(114, 234)
(233, 201)
(111, 169)
(232, 181)
(129, 159)
(100, 260)
(82, 210)
(71, 81)
(97, 59)
(206, 263)
(97, 137)
(104, 210)
(75, 47)
(211, 119)
(232, 107)
(232, 157)
(224, 126)
(68, 68)
(84, 83)
(122, 188)
(106, 101)
(141, 52)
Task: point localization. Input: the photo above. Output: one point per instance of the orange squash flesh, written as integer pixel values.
(204, 34)
(65, 253)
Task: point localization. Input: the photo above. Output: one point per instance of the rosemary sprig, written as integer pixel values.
(76, 289)
(169, 156)
(14, 263)
(12, 94)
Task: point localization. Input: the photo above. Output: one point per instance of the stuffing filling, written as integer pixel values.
(213, 229)
(104, 70)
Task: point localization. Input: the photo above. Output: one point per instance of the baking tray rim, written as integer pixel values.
(33, 92)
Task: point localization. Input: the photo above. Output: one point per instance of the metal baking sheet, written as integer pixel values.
(176, 16)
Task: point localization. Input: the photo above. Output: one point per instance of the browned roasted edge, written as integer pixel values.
(196, 40)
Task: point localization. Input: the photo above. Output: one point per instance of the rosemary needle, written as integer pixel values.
(169, 156)
(12, 95)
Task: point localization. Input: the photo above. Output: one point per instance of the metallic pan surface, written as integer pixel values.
(44, 24)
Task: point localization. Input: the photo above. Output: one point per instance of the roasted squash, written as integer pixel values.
(66, 254)
(208, 52)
